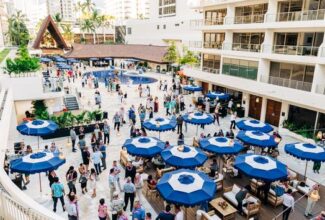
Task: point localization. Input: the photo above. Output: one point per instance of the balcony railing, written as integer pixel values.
(294, 84)
(309, 15)
(210, 70)
(242, 47)
(216, 21)
(295, 50)
(248, 19)
(195, 44)
(197, 23)
(217, 45)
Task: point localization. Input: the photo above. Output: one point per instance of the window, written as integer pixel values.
(129, 30)
(176, 25)
(241, 68)
(157, 27)
(167, 8)
(164, 26)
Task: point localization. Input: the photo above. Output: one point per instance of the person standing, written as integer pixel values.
(233, 117)
(106, 131)
(117, 171)
(102, 210)
(117, 122)
(51, 177)
(97, 157)
(240, 196)
(102, 149)
(72, 208)
(92, 181)
(117, 205)
(166, 214)
(313, 197)
(138, 183)
(71, 176)
(179, 214)
(288, 204)
(316, 166)
(138, 212)
(57, 193)
(130, 171)
(179, 121)
(83, 178)
(111, 183)
(216, 115)
(129, 193)
(73, 137)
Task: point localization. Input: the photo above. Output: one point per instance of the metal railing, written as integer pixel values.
(197, 23)
(242, 47)
(209, 44)
(210, 70)
(195, 44)
(295, 50)
(308, 15)
(294, 84)
(247, 19)
(214, 21)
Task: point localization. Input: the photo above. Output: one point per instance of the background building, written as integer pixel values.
(169, 21)
(128, 9)
(269, 54)
(3, 23)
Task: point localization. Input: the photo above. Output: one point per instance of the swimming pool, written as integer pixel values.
(124, 76)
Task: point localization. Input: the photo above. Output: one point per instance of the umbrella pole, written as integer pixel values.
(159, 135)
(306, 170)
(40, 182)
(38, 142)
(197, 129)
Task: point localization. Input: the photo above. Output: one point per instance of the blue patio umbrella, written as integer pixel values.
(257, 138)
(73, 60)
(261, 167)
(306, 151)
(218, 95)
(221, 145)
(37, 163)
(160, 124)
(184, 156)
(59, 59)
(93, 59)
(144, 146)
(186, 187)
(132, 60)
(192, 88)
(108, 58)
(254, 125)
(45, 60)
(198, 118)
(37, 128)
(65, 67)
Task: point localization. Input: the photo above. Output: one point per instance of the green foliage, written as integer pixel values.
(189, 58)
(171, 55)
(301, 129)
(3, 54)
(80, 117)
(23, 63)
(67, 119)
(40, 109)
(17, 30)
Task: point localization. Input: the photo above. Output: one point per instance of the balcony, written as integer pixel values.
(249, 19)
(309, 15)
(295, 50)
(211, 70)
(242, 47)
(195, 44)
(216, 45)
(294, 84)
(217, 21)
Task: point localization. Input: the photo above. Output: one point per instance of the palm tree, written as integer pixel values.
(19, 17)
(96, 19)
(107, 20)
(88, 6)
(17, 30)
(88, 26)
(58, 19)
(68, 33)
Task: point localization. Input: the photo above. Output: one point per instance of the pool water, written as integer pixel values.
(123, 76)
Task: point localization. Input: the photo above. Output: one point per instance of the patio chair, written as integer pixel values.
(161, 172)
(202, 215)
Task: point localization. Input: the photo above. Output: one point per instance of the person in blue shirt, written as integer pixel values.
(102, 149)
(138, 212)
(132, 115)
(166, 214)
(57, 193)
(142, 116)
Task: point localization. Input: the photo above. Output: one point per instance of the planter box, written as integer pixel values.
(65, 132)
(284, 131)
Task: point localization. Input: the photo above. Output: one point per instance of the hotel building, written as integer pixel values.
(270, 54)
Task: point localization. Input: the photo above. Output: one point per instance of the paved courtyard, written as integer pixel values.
(111, 104)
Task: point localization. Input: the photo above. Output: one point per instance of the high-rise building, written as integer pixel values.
(169, 21)
(269, 55)
(64, 7)
(128, 9)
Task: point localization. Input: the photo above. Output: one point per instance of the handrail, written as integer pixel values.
(296, 50)
(245, 19)
(214, 21)
(242, 47)
(307, 15)
(213, 44)
(210, 70)
(290, 83)
(15, 204)
(195, 44)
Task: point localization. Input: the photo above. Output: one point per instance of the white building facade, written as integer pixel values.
(169, 21)
(128, 9)
(269, 53)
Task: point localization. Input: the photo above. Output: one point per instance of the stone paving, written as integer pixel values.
(111, 104)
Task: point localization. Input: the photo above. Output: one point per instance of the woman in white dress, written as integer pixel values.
(138, 183)
(92, 181)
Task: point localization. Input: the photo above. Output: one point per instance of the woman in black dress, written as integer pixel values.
(86, 157)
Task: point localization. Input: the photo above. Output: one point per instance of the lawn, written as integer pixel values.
(3, 54)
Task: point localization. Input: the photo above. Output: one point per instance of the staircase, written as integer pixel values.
(71, 102)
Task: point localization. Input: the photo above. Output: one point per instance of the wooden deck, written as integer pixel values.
(267, 212)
